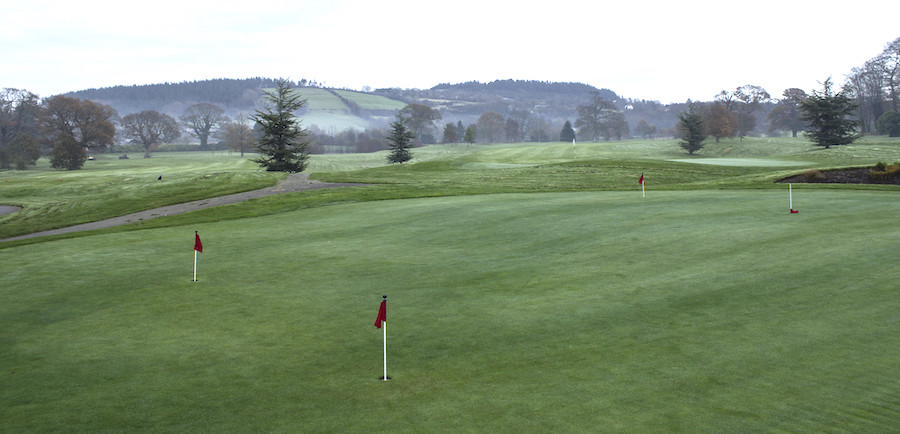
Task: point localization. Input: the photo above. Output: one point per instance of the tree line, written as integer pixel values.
(826, 116)
(867, 103)
(231, 94)
(68, 129)
(876, 88)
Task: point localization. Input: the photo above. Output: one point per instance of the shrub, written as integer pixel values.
(884, 172)
(889, 123)
(813, 175)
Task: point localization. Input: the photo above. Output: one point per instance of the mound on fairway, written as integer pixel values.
(743, 162)
(562, 312)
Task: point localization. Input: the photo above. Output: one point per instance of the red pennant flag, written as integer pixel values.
(793, 211)
(198, 246)
(641, 181)
(382, 314)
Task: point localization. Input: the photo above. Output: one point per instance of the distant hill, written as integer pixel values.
(327, 109)
(173, 98)
(467, 101)
(335, 110)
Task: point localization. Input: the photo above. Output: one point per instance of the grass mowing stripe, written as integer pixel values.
(562, 311)
(108, 188)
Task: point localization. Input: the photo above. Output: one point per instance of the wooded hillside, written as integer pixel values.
(335, 110)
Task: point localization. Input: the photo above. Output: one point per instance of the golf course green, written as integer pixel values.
(531, 288)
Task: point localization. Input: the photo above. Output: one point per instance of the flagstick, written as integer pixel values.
(195, 265)
(642, 190)
(384, 328)
(791, 197)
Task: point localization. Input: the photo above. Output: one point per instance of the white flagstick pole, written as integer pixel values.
(791, 197)
(195, 265)
(384, 330)
(642, 189)
(196, 242)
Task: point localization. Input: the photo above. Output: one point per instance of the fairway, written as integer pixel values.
(686, 311)
(744, 162)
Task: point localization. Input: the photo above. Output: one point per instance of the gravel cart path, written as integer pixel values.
(294, 182)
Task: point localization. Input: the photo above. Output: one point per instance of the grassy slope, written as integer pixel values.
(441, 170)
(702, 307)
(367, 101)
(328, 112)
(109, 187)
(518, 312)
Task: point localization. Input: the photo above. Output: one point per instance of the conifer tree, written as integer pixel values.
(284, 141)
(399, 142)
(567, 134)
(469, 136)
(829, 117)
(692, 129)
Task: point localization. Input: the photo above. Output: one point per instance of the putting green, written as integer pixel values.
(561, 312)
(743, 162)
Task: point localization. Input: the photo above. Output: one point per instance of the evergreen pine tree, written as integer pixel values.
(469, 136)
(692, 129)
(567, 134)
(828, 115)
(284, 141)
(399, 142)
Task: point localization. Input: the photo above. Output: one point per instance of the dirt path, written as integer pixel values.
(294, 182)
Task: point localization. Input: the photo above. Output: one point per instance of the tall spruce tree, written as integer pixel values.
(829, 117)
(399, 141)
(692, 129)
(567, 134)
(284, 141)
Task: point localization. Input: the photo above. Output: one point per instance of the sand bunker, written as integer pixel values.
(7, 209)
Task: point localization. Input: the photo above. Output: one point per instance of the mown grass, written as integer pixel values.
(700, 310)
(108, 187)
(531, 289)
(367, 101)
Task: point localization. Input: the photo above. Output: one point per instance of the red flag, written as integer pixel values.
(641, 181)
(198, 246)
(382, 314)
(793, 211)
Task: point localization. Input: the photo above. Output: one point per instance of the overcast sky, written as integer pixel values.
(661, 50)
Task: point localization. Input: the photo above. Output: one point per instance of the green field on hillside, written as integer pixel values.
(329, 111)
(531, 288)
(368, 101)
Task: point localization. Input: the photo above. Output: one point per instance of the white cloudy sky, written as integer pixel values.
(656, 49)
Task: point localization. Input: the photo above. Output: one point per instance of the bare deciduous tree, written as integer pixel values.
(238, 135)
(150, 128)
(202, 119)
